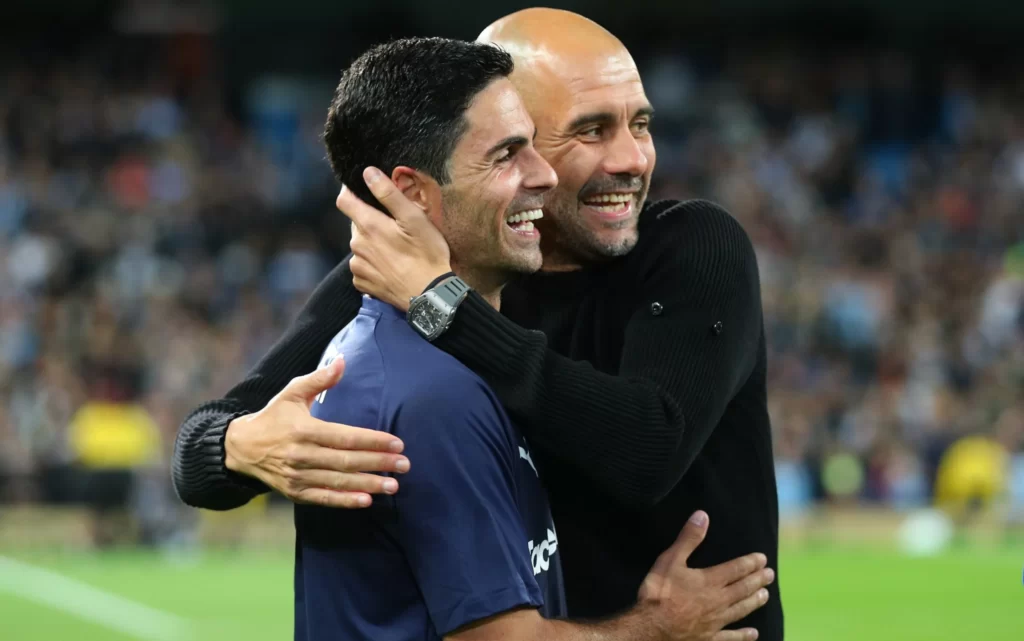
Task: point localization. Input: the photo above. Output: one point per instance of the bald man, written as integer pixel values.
(635, 362)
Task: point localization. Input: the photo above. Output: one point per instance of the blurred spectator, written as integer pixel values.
(112, 440)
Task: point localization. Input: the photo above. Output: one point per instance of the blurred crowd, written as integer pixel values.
(153, 244)
(156, 236)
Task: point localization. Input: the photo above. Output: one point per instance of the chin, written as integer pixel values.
(615, 245)
(525, 263)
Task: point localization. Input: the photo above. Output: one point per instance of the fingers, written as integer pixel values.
(340, 482)
(746, 634)
(338, 436)
(732, 571)
(390, 196)
(692, 534)
(363, 215)
(305, 388)
(746, 606)
(747, 586)
(354, 461)
(360, 267)
(675, 557)
(330, 498)
(365, 277)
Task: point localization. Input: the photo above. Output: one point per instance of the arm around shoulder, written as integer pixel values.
(200, 476)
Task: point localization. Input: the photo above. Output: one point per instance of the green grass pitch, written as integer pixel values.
(829, 595)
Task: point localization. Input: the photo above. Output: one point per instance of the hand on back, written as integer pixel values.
(695, 604)
(309, 460)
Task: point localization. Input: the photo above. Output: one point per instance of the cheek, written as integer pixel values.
(572, 176)
(572, 164)
(499, 200)
(652, 155)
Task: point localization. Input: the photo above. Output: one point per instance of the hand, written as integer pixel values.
(393, 259)
(694, 605)
(309, 460)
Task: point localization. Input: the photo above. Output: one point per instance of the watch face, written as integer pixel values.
(426, 318)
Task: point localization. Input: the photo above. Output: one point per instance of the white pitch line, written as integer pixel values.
(92, 604)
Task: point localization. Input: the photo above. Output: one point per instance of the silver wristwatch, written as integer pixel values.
(432, 312)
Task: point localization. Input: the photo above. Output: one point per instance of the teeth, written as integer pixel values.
(524, 226)
(610, 198)
(523, 216)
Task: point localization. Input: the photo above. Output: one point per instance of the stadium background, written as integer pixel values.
(165, 208)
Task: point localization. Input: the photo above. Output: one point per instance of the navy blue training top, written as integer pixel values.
(469, 533)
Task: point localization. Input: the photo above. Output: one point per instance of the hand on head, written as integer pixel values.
(393, 258)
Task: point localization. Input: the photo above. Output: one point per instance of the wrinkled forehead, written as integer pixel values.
(561, 89)
(610, 84)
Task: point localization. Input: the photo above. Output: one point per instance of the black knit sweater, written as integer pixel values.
(640, 383)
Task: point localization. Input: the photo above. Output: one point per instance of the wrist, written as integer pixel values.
(655, 614)
(437, 280)
(430, 279)
(232, 461)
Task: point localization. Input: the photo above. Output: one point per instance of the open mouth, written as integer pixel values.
(522, 222)
(610, 204)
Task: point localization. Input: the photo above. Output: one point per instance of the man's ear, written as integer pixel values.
(414, 185)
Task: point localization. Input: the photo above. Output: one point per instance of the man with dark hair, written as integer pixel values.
(467, 550)
(371, 122)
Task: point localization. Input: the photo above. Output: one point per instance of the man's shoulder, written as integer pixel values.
(398, 382)
(692, 246)
(414, 365)
(422, 378)
(445, 388)
(670, 223)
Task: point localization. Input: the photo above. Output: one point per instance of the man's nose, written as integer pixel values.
(625, 155)
(540, 176)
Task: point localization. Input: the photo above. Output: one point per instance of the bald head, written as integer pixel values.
(553, 49)
(554, 32)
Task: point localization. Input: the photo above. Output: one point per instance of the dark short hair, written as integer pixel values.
(403, 103)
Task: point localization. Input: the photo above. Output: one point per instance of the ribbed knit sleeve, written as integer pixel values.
(197, 467)
(635, 434)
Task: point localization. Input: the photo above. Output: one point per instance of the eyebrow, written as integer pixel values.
(602, 117)
(509, 142)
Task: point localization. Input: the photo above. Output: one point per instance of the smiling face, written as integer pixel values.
(598, 141)
(583, 90)
(496, 190)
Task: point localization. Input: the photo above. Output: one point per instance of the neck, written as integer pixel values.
(487, 283)
(558, 262)
(556, 258)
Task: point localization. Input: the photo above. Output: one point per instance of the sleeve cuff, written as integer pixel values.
(219, 432)
(483, 606)
(200, 477)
